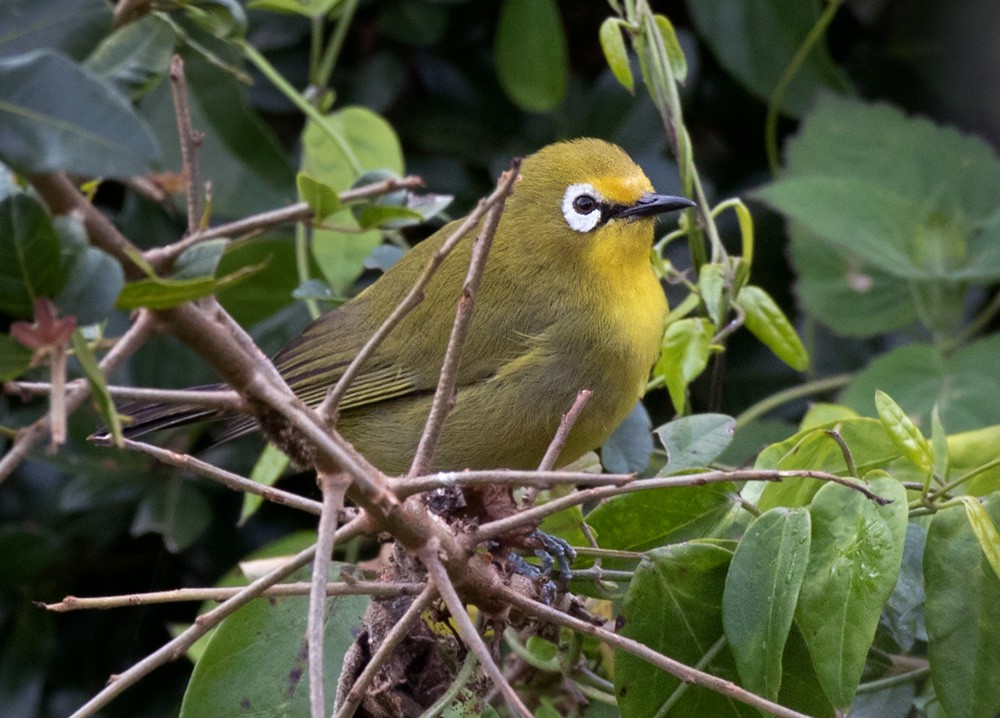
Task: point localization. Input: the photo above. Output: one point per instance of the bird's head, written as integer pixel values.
(586, 198)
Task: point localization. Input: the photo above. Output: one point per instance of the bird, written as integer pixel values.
(568, 300)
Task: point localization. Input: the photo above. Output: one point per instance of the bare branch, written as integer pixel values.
(328, 409)
(466, 630)
(392, 639)
(190, 141)
(376, 589)
(536, 479)
(223, 399)
(676, 668)
(444, 395)
(534, 515)
(226, 478)
(30, 436)
(333, 486)
(559, 441)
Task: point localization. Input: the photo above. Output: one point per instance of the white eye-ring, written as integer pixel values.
(581, 206)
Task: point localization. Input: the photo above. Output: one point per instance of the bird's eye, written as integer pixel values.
(584, 204)
(580, 207)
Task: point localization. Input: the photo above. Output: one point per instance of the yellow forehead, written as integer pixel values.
(622, 189)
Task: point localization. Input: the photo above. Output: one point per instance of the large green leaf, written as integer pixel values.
(693, 442)
(628, 449)
(135, 57)
(55, 116)
(963, 593)
(367, 143)
(531, 54)
(854, 560)
(762, 587)
(255, 663)
(646, 519)
(919, 377)
(94, 278)
(673, 605)
(755, 41)
(30, 263)
(69, 26)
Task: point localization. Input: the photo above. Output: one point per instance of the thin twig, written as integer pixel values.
(226, 478)
(57, 397)
(31, 435)
(190, 141)
(176, 648)
(514, 478)
(392, 639)
(224, 399)
(333, 486)
(328, 409)
(466, 630)
(548, 461)
(444, 395)
(298, 212)
(376, 589)
(676, 668)
(845, 450)
(534, 515)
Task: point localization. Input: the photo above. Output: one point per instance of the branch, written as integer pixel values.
(392, 639)
(538, 479)
(444, 395)
(226, 478)
(534, 515)
(328, 409)
(225, 399)
(31, 435)
(558, 441)
(333, 487)
(467, 631)
(376, 589)
(675, 668)
(190, 141)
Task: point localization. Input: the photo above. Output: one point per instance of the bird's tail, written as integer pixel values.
(147, 417)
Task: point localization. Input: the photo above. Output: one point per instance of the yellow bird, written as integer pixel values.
(568, 301)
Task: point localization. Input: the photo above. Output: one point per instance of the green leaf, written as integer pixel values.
(177, 511)
(854, 560)
(15, 358)
(95, 280)
(615, 54)
(159, 293)
(272, 287)
(673, 605)
(256, 661)
(376, 216)
(531, 54)
(711, 285)
(372, 144)
(756, 41)
(271, 464)
(135, 57)
(628, 449)
(918, 376)
(939, 445)
(904, 432)
(985, 531)
(812, 449)
(766, 321)
(963, 593)
(55, 116)
(322, 199)
(762, 587)
(98, 387)
(693, 442)
(72, 27)
(853, 299)
(684, 356)
(971, 450)
(678, 63)
(657, 517)
(307, 8)
(199, 260)
(30, 263)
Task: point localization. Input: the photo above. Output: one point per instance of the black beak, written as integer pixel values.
(650, 204)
